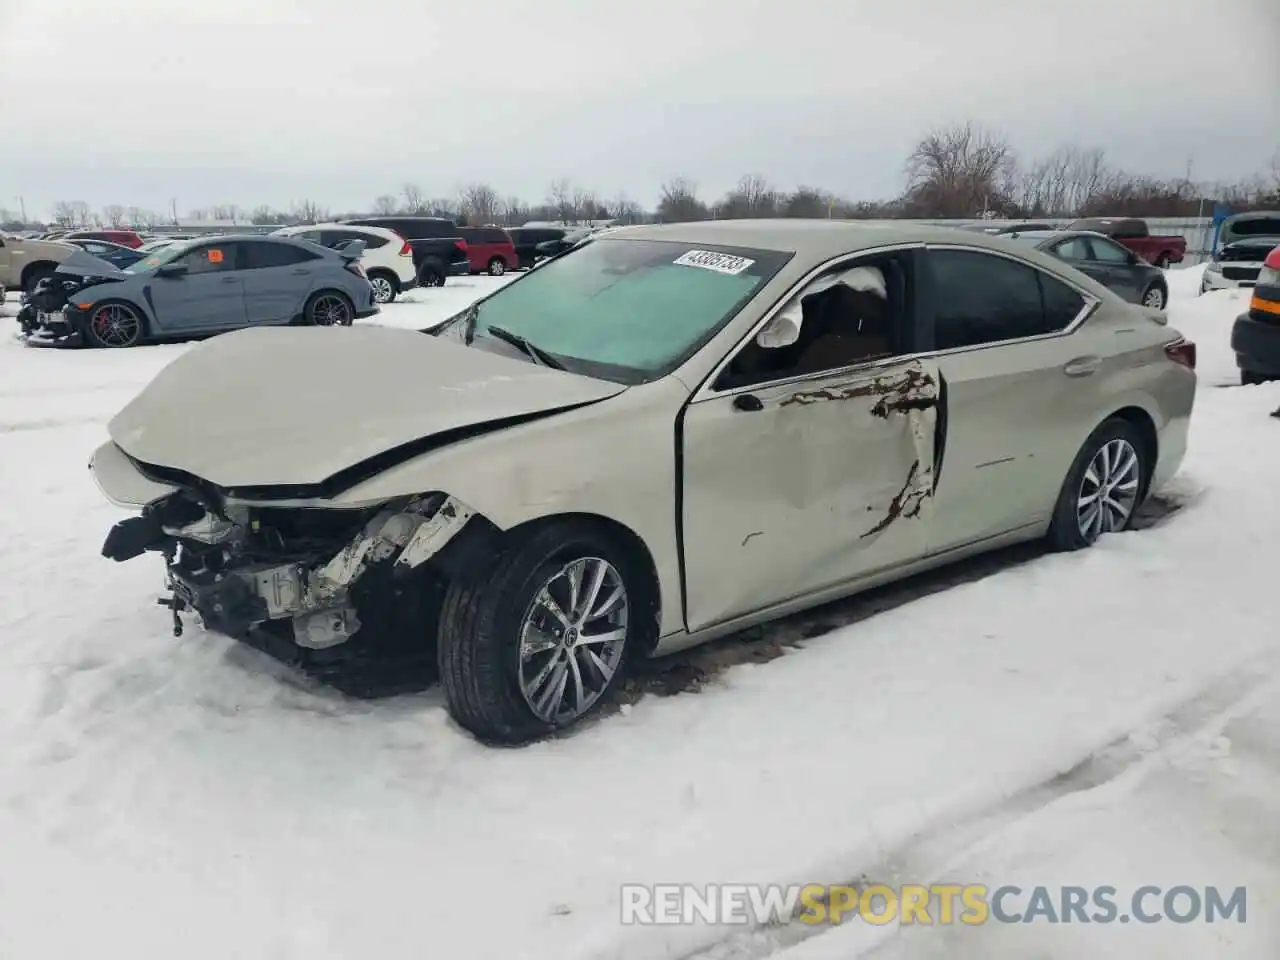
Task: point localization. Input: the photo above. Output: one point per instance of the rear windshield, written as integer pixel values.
(629, 310)
(1259, 227)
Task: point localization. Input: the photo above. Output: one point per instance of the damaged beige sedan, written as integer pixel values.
(666, 435)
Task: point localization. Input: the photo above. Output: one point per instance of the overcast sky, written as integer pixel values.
(139, 102)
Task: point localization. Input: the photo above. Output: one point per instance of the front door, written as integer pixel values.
(1124, 276)
(815, 473)
(208, 297)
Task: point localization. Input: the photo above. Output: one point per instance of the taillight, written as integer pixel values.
(406, 250)
(354, 267)
(1182, 352)
(462, 245)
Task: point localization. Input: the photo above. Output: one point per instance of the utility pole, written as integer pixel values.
(22, 206)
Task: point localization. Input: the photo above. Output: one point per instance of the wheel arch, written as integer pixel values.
(474, 547)
(36, 266)
(137, 304)
(1145, 424)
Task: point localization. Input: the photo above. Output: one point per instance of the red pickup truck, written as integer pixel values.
(1159, 251)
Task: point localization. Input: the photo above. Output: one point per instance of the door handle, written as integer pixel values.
(301, 272)
(230, 280)
(1082, 366)
(747, 403)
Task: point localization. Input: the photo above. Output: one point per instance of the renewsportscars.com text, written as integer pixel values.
(939, 903)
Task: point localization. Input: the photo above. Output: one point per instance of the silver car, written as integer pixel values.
(663, 436)
(206, 286)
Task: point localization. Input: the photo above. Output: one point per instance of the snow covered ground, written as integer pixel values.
(1110, 717)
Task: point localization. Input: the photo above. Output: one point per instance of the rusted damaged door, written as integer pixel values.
(793, 487)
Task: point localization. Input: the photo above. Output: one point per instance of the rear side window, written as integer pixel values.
(1073, 249)
(1105, 251)
(259, 256)
(979, 298)
(331, 238)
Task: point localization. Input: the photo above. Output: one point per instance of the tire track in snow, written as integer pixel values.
(939, 849)
(52, 423)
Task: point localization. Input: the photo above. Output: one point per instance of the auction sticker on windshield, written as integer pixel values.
(710, 260)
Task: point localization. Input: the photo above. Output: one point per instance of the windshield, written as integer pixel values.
(158, 258)
(629, 310)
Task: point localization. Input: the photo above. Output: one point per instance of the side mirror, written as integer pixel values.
(782, 331)
(172, 270)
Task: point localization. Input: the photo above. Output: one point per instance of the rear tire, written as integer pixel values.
(497, 637)
(431, 274)
(1110, 471)
(329, 308)
(1155, 297)
(386, 286)
(497, 267)
(1248, 378)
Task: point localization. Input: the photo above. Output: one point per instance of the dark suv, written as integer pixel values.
(491, 250)
(439, 250)
(526, 240)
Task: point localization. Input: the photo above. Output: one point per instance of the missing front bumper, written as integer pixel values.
(214, 569)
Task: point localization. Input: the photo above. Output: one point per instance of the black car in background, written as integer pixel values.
(527, 240)
(438, 248)
(1112, 265)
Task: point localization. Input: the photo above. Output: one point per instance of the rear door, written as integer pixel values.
(1019, 373)
(1124, 276)
(278, 278)
(209, 296)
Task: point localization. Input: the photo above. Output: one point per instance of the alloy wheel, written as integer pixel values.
(572, 639)
(331, 311)
(116, 325)
(1154, 298)
(382, 290)
(1109, 490)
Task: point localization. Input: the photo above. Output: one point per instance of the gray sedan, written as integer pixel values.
(1113, 266)
(207, 286)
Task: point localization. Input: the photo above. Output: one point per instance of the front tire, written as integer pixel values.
(115, 325)
(1104, 487)
(540, 641)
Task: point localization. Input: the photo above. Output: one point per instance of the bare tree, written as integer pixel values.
(679, 202)
(807, 202)
(113, 215)
(267, 215)
(442, 207)
(308, 211)
(753, 197)
(385, 204)
(226, 211)
(960, 171)
(479, 203)
(624, 210)
(514, 211)
(64, 214)
(414, 201)
(560, 200)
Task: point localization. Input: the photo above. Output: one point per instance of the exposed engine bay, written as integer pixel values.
(294, 570)
(41, 310)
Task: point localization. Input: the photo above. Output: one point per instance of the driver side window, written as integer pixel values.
(210, 259)
(855, 313)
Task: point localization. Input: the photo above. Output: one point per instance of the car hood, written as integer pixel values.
(294, 407)
(81, 263)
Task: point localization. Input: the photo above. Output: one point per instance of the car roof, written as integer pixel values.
(815, 240)
(339, 225)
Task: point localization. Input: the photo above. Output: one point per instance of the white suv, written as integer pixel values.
(387, 259)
